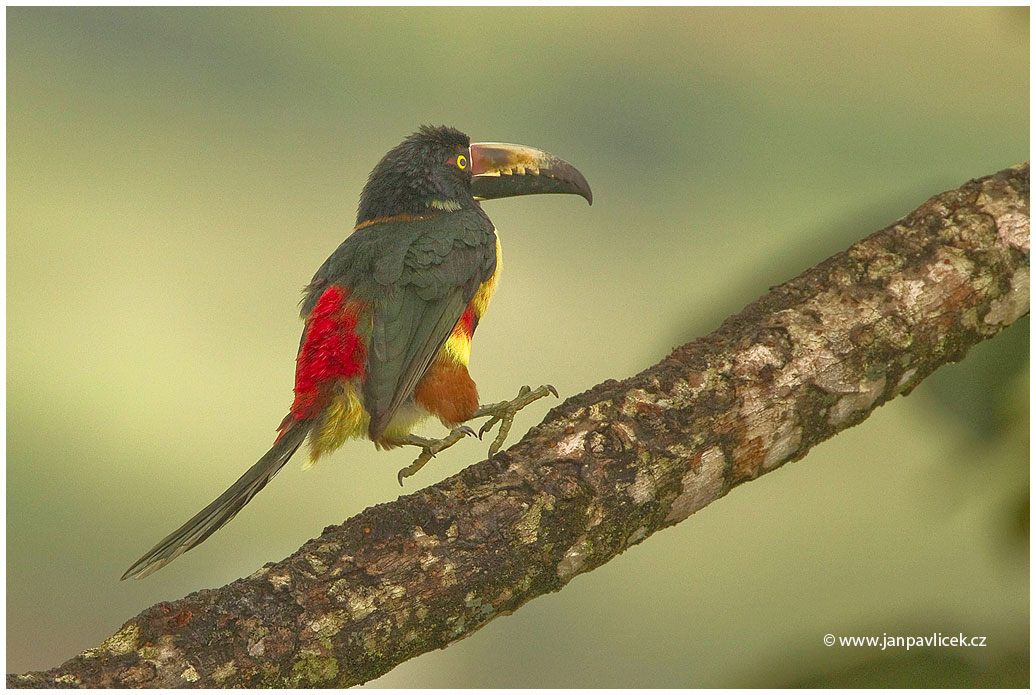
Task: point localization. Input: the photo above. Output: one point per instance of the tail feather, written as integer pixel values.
(223, 508)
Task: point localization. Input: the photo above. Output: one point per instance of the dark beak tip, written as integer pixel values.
(580, 186)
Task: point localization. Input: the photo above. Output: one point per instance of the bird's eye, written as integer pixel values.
(462, 162)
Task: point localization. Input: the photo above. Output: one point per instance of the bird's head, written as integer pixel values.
(438, 168)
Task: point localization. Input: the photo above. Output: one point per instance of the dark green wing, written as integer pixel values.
(440, 273)
(419, 276)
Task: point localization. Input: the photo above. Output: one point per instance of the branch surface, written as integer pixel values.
(604, 470)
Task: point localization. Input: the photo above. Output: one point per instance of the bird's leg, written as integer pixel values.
(431, 447)
(504, 412)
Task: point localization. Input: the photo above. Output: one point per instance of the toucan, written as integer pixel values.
(390, 315)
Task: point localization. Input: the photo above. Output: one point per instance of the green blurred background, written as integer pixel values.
(175, 176)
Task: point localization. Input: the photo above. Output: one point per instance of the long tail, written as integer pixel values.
(223, 508)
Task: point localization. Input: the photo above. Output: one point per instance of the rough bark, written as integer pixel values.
(605, 469)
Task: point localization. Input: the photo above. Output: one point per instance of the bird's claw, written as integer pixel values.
(505, 411)
(431, 447)
(502, 413)
(486, 426)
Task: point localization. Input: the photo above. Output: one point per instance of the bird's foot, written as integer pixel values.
(431, 447)
(505, 411)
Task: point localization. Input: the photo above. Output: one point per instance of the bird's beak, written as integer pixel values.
(500, 170)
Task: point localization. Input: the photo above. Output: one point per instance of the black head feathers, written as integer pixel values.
(415, 176)
(443, 135)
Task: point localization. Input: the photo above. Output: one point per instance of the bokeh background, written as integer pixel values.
(175, 176)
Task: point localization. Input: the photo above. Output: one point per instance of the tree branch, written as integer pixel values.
(605, 469)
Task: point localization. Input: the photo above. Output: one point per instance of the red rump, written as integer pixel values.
(332, 350)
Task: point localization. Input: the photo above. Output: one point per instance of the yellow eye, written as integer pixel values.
(462, 162)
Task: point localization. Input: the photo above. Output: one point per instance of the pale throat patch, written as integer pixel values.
(444, 205)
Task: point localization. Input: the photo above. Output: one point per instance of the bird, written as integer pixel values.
(390, 315)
